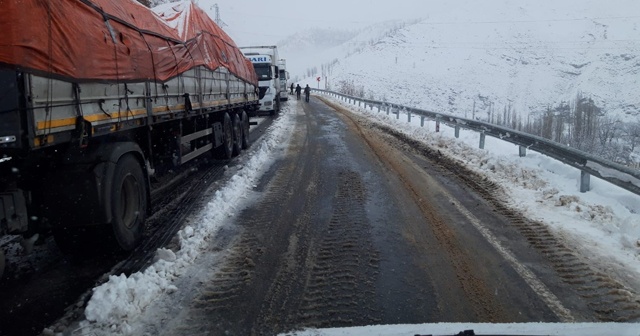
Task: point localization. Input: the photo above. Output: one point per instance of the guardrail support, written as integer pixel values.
(398, 114)
(621, 177)
(585, 181)
(409, 116)
(457, 131)
(523, 151)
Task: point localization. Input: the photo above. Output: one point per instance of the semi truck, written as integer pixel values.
(284, 79)
(264, 59)
(98, 99)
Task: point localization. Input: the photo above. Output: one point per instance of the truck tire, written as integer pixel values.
(225, 151)
(245, 130)
(237, 133)
(2, 262)
(276, 107)
(128, 202)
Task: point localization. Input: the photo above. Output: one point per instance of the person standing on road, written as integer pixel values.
(298, 90)
(291, 88)
(307, 91)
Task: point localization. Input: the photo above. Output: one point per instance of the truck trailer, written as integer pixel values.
(283, 75)
(264, 59)
(99, 98)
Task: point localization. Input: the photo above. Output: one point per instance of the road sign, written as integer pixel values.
(318, 79)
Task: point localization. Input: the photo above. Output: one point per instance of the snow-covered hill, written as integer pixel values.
(523, 61)
(448, 68)
(314, 47)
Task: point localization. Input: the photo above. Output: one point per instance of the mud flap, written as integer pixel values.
(13, 212)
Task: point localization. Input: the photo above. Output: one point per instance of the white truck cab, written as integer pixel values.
(264, 59)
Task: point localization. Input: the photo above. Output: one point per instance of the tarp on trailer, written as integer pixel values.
(106, 40)
(191, 22)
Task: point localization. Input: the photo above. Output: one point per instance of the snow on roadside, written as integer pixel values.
(604, 222)
(117, 303)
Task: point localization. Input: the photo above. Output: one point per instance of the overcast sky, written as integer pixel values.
(259, 22)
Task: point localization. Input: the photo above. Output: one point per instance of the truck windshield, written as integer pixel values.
(263, 71)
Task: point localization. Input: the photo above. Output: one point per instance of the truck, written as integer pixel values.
(284, 79)
(99, 99)
(264, 60)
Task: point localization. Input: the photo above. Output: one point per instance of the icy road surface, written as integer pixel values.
(357, 224)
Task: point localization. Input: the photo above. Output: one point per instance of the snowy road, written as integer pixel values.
(44, 285)
(354, 226)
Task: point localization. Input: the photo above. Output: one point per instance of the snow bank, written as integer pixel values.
(118, 302)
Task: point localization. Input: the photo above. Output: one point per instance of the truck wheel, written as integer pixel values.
(245, 130)
(225, 151)
(128, 202)
(276, 107)
(2, 262)
(237, 134)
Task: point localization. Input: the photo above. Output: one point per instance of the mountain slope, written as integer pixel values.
(449, 67)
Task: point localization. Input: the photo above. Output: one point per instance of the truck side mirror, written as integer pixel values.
(277, 71)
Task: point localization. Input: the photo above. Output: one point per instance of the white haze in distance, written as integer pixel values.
(259, 22)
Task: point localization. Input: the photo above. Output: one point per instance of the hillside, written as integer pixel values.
(313, 47)
(451, 67)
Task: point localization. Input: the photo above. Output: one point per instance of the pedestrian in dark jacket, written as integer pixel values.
(298, 90)
(291, 88)
(307, 92)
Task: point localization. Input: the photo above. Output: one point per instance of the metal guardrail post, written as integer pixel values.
(457, 131)
(408, 116)
(388, 109)
(585, 181)
(437, 126)
(482, 136)
(422, 121)
(378, 108)
(522, 151)
(398, 114)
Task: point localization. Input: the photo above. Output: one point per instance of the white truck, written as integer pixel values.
(284, 79)
(264, 59)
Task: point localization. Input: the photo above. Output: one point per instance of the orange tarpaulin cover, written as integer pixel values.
(106, 40)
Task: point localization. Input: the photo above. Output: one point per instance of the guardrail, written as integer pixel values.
(588, 164)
